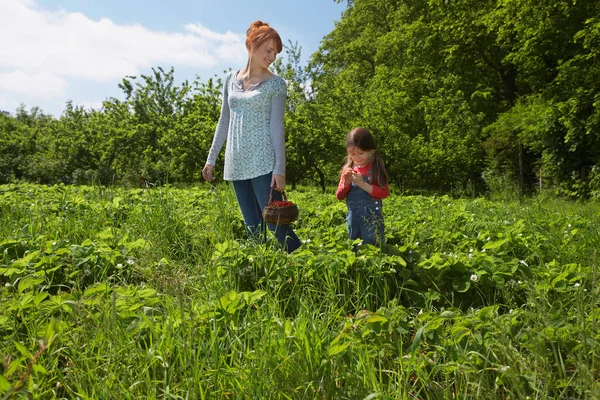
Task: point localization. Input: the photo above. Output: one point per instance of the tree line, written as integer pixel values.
(461, 95)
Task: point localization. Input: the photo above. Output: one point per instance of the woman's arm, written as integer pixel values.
(222, 127)
(278, 132)
(277, 126)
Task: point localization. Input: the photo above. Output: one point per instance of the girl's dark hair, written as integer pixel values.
(363, 139)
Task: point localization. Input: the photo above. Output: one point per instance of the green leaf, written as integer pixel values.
(338, 348)
(29, 281)
(494, 245)
(138, 244)
(41, 296)
(373, 318)
(231, 302)
(98, 288)
(251, 298)
(560, 278)
(4, 384)
(40, 369)
(417, 341)
(116, 202)
(22, 349)
(461, 285)
(106, 234)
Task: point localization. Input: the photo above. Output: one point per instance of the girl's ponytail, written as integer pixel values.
(380, 176)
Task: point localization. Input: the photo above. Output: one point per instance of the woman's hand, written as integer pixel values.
(207, 172)
(278, 182)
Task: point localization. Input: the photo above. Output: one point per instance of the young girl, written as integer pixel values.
(363, 183)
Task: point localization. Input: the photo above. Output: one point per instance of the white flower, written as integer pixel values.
(392, 270)
(470, 250)
(524, 263)
(306, 241)
(488, 238)
(417, 243)
(483, 250)
(130, 262)
(569, 225)
(119, 265)
(474, 278)
(53, 243)
(470, 255)
(576, 285)
(510, 311)
(421, 312)
(519, 282)
(250, 259)
(504, 368)
(511, 282)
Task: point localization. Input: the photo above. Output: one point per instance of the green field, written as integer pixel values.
(109, 293)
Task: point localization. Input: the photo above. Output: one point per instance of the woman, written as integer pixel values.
(251, 122)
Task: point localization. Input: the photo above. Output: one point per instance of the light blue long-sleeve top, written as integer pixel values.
(252, 124)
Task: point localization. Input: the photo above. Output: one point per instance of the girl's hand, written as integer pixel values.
(278, 182)
(358, 180)
(347, 176)
(207, 172)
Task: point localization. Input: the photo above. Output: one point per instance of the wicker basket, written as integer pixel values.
(280, 212)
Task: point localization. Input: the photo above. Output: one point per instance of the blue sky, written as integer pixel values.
(58, 50)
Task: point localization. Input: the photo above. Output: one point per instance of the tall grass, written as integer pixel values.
(157, 293)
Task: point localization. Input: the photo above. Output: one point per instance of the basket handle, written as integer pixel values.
(271, 195)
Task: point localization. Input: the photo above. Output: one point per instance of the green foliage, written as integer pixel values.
(462, 96)
(144, 292)
(455, 89)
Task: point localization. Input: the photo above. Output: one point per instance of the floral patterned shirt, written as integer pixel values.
(251, 123)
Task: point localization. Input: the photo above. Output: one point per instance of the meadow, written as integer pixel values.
(114, 293)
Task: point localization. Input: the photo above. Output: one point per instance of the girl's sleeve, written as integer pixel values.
(277, 125)
(379, 192)
(342, 190)
(222, 127)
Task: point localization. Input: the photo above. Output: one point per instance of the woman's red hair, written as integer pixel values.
(259, 32)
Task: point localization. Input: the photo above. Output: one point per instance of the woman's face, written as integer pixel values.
(358, 156)
(265, 54)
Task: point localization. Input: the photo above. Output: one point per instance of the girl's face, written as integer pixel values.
(265, 54)
(358, 156)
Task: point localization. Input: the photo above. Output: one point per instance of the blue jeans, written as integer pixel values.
(253, 195)
(366, 223)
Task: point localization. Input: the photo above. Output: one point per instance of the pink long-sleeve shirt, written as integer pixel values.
(378, 192)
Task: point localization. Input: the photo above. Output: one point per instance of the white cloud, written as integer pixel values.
(38, 84)
(41, 50)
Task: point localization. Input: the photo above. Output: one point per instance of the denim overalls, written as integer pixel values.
(365, 220)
